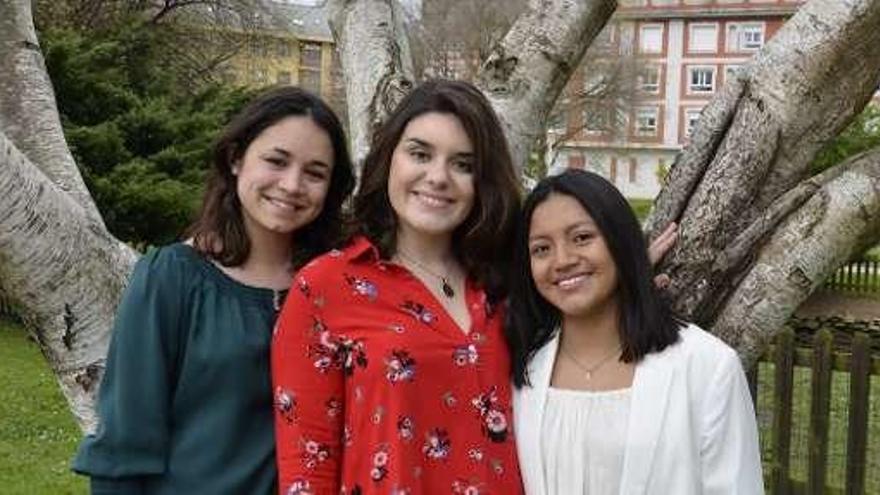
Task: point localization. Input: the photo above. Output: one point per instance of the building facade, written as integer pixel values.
(683, 52)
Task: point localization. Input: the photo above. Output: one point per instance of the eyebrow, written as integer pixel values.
(425, 144)
(287, 154)
(568, 229)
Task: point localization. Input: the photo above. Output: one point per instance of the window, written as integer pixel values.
(596, 118)
(310, 80)
(646, 121)
(651, 38)
(649, 79)
(556, 122)
(310, 55)
(283, 78)
(284, 50)
(703, 38)
(691, 117)
(701, 79)
(745, 37)
(261, 75)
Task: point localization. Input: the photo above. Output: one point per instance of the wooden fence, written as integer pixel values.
(862, 277)
(855, 359)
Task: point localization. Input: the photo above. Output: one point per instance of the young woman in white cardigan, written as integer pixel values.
(614, 395)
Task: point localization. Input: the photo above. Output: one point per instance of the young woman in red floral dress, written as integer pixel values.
(390, 368)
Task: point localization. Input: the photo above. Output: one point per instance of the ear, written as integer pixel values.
(235, 167)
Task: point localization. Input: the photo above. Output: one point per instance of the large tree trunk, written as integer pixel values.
(753, 144)
(374, 51)
(28, 113)
(63, 272)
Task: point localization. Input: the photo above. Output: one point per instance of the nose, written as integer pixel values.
(437, 173)
(291, 179)
(563, 258)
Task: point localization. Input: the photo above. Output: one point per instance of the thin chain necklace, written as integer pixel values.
(446, 287)
(589, 370)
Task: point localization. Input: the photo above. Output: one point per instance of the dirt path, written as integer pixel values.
(854, 307)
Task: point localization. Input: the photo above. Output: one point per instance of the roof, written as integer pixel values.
(302, 21)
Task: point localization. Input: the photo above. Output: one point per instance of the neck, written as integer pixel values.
(597, 331)
(432, 251)
(270, 253)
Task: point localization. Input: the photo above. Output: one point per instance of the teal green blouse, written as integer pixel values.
(185, 404)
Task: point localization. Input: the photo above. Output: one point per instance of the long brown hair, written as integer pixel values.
(482, 242)
(219, 230)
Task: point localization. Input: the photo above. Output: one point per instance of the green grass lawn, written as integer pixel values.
(37, 432)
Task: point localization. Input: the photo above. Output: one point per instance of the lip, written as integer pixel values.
(285, 204)
(433, 200)
(573, 281)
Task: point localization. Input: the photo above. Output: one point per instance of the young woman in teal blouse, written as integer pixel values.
(186, 404)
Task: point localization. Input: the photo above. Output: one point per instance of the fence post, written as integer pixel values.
(784, 381)
(819, 412)
(857, 434)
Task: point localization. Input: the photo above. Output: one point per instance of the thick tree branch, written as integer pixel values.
(525, 73)
(811, 79)
(841, 219)
(28, 112)
(376, 60)
(64, 273)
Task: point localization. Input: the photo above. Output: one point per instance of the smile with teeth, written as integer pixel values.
(432, 200)
(280, 203)
(572, 281)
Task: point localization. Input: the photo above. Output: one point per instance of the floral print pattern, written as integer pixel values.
(378, 391)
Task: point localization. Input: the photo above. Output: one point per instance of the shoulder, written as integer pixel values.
(700, 352)
(332, 264)
(171, 258)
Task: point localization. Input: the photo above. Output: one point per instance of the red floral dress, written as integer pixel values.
(377, 390)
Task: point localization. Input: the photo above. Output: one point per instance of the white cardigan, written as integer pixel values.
(691, 427)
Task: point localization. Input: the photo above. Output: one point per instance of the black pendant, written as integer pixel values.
(447, 289)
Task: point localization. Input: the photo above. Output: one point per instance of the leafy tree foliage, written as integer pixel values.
(142, 141)
(861, 135)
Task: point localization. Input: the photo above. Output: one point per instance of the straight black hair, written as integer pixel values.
(647, 323)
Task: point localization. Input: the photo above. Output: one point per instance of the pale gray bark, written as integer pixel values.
(377, 65)
(839, 219)
(28, 112)
(755, 142)
(64, 273)
(525, 73)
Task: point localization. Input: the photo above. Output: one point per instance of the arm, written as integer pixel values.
(134, 400)
(730, 455)
(308, 440)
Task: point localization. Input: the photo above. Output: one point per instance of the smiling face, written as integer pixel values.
(571, 265)
(431, 184)
(283, 176)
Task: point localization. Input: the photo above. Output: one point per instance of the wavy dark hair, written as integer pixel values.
(647, 324)
(481, 242)
(219, 230)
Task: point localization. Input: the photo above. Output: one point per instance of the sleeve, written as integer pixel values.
(730, 454)
(307, 376)
(131, 440)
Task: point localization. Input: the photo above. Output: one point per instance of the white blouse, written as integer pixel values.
(583, 437)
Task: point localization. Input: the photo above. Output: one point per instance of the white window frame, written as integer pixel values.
(692, 47)
(650, 27)
(703, 88)
(646, 85)
(643, 118)
(738, 32)
(691, 117)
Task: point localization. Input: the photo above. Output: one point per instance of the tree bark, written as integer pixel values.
(64, 273)
(378, 67)
(840, 219)
(28, 112)
(525, 73)
(755, 142)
